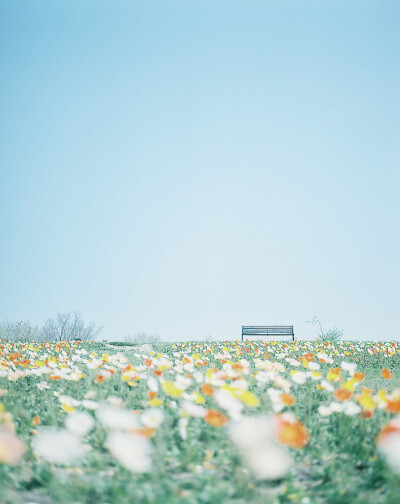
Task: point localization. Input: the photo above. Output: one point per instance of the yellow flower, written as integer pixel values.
(249, 399)
(349, 385)
(199, 398)
(68, 409)
(157, 401)
(171, 389)
(367, 402)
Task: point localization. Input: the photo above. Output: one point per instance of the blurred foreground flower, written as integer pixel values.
(256, 440)
(11, 447)
(152, 418)
(112, 417)
(388, 442)
(291, 432)
(131, 450)
(57, 445)
(79, 423)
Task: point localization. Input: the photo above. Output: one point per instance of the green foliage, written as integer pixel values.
(339, 465)
(332, 335)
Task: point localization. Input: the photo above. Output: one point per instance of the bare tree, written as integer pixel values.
(69, 326)
(142, 337)
(21, 330)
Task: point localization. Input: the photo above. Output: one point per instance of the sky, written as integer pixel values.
(182, 168)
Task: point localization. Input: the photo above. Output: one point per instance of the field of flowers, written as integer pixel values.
(216, 422)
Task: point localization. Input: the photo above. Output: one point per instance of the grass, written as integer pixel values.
(339, 464)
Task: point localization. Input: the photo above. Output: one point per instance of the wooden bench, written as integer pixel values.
(273, 330)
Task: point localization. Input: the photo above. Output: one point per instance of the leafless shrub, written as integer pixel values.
(69, 326)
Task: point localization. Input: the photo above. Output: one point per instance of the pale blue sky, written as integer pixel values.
(185, 167)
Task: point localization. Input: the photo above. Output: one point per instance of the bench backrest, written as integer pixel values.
(267, 331)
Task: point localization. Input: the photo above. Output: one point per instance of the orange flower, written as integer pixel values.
(152, 394)
(148, 362)
(342, 394)
(366, 413)
(387, 374)
(358, 376)
(366, 390)
(237, 366)
(291, 432)
(389, 428)
(207, 390)
(99, 378)
(36, 420)
(288, 399)
(147, 432)
(215, 418)
(393, 406)
(157, 372)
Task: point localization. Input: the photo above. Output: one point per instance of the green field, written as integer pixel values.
(214, 422)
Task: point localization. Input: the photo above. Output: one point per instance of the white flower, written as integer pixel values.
(90, 405)
(182, 382)
(79, 423)
(228, 402)
(115, 401)
(68, 401)
(299, 377)
(283, 383)
(292, 362)
(327, 386)
(131, 450)
(348, 366)
(94, 363)
(256, 440)
(314, 366)
(152, 417)
(240, 384)
(43, 385)
(262, 377)
(182, 426)
(152, 383)
(275, 396)
(351, 408)
(325, 410)
(199, 377)
(326, 358)
(116, 418)
(193, 410)
(57, 445)
(337, 407)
